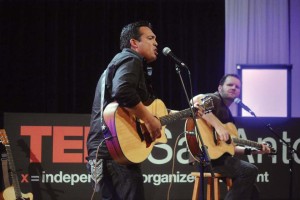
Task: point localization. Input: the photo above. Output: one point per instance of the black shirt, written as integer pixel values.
(128, 83)
(222, 112)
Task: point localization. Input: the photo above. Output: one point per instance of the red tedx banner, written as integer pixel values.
(60, 145)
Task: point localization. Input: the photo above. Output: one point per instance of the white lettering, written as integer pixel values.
(295, 146)
(158, 179)
(263, 177)
(182, 152)
(65, 178)
(165, 147)
(285, 160)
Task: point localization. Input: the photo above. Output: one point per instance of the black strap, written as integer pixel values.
(5, 170)
(103, 126)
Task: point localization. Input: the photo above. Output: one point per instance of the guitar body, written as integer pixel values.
(215, 147)
(9, 194)
(130, 141)
(12, 192)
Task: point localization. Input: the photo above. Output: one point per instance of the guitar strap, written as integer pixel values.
(96, 165)
(102, 99)
(5, 170)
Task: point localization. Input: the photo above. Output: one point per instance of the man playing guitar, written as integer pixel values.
(242, 173)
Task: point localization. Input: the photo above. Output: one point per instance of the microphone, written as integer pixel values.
(167, 52)
(240, 103)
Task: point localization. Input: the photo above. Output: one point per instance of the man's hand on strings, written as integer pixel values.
(154, 127)
(223, 133)
(265, 149)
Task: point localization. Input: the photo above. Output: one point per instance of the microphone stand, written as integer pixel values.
(204, 156)
(291, 152)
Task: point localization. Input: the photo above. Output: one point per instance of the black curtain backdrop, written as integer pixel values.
(53, 52)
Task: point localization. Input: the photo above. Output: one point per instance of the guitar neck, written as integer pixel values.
(14, 176)
(173, 117)
(247, 143)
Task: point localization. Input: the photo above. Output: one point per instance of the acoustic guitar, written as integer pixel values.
(215, 147)
(12, 192)
(130, 142)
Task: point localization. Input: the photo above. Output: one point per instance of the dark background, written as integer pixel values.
(53, 52)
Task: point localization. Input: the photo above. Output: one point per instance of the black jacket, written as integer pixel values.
(127, 83)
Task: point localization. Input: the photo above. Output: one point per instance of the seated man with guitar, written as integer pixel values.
(220, 140)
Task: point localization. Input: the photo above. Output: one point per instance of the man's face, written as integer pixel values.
(147, 46)
(230, 89)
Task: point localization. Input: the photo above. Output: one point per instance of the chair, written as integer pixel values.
(212, 185)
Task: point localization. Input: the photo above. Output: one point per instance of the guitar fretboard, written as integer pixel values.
(173, 117)
(207, 104)
(14, 176)
(247, 143)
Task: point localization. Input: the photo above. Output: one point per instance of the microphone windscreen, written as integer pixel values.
(237, 100)
(166, 51)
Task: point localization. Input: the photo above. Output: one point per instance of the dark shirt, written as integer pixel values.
(128, 83)
(222, 112)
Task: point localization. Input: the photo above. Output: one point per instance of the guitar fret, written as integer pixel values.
(179, 115)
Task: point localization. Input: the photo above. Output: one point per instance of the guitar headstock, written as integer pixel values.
(207, 103)
(3, 137)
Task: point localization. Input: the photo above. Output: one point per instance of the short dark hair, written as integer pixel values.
(223, 79)
(132, 31)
